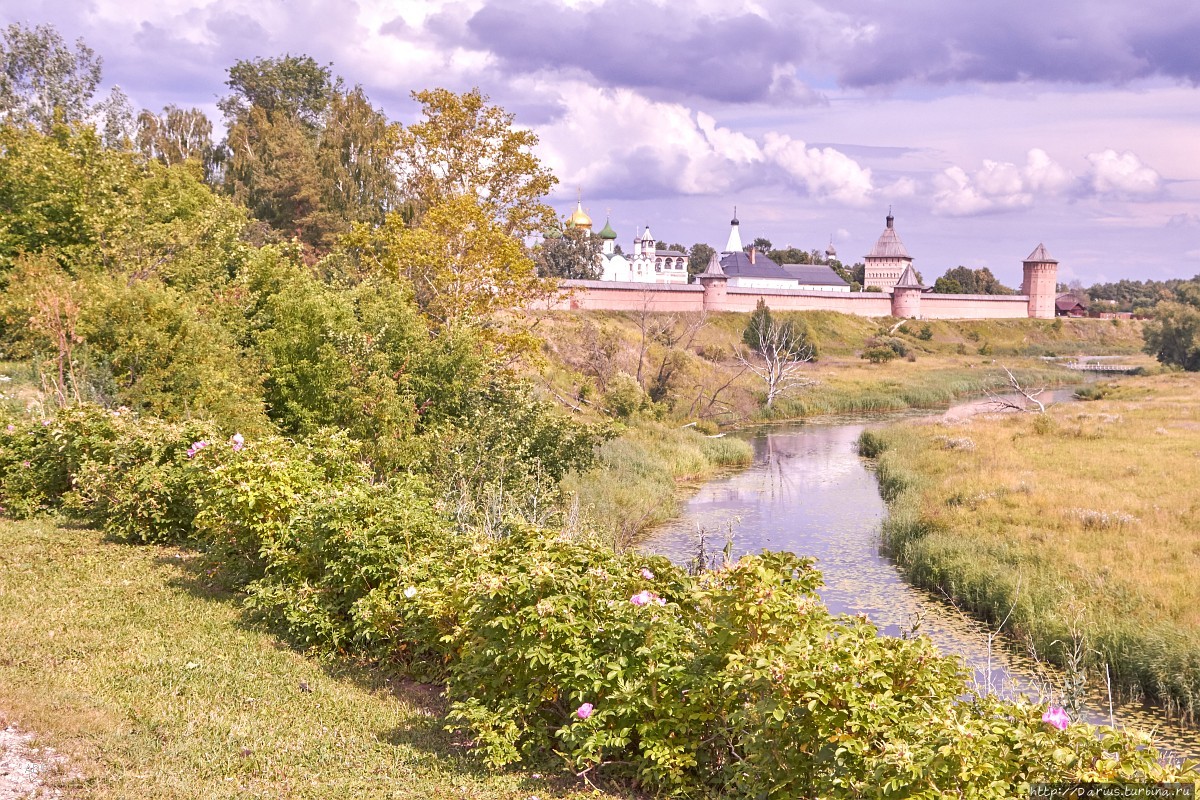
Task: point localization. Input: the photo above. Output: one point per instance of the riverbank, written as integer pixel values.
(153, 684)
(1082, 522)
(659, 372)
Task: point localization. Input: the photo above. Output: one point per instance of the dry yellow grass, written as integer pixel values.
(1087, 517)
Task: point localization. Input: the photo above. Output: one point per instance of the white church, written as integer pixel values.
(746, 267)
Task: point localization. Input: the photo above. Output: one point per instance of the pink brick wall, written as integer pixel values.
(973, 306)
(616, 296)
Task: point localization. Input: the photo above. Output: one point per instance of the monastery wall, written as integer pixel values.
(974, 306)
(864, 304)
(629, 296)
(691, 297)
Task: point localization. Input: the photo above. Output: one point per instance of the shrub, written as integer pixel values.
(926, 333)
(625, 397)
(879, 354)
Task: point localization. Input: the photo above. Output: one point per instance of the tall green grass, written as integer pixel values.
(641, 475)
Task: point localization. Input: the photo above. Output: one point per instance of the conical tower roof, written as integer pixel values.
(714, 268)
(734, 243)
(889, 244)
(908, 279)
(1041, 254)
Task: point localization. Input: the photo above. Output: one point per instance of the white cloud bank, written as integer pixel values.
(618, 141)
(1000, 186)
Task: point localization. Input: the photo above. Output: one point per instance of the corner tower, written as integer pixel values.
(1040, 282)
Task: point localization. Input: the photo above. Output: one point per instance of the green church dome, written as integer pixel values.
(607, 232)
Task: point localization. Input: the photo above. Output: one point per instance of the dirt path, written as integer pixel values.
(23, 768)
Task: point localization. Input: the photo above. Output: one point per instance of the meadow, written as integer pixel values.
(154, 682)
(1083, 521)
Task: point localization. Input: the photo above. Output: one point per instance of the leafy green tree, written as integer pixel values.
(964, 280)
(356, 158)
(1173, 337)
(464, 146)
(763, 245)
(305, 156)
(43, 80)
(292, 86)
(62, 193)
(573, 255)
(177, 135)
(698, 257)
(466, 270)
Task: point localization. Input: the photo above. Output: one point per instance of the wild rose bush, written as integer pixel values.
(733, 682)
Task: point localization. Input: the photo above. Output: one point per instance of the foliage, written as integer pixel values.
(964, 280)
(44, 81)
(177, 135)
(879, 354)
(575, 254)
(306, 156)
(1173, 337)
(698, 257)
(1138, 296)
(291, 86)
(465, 269)
(466, 148)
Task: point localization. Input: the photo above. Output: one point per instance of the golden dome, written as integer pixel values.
(579, 219)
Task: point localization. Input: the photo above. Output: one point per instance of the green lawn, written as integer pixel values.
(155, 686)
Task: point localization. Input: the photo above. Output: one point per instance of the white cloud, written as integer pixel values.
(619, 141)
(901, 187)
(823, 171)
(1122, 174)
(999, 185)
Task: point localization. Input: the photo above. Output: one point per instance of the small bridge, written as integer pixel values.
(1092, 366)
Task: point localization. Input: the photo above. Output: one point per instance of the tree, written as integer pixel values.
(43, 80)
(356, 158)
(1173, 337)
(573, 255)
(291, 86)
(698, 257)
(778, 352)
(964, 280)
(761, 244)
(177, 135)
(466, 271)
(465, 147)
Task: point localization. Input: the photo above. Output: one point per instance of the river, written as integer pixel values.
(808, 491)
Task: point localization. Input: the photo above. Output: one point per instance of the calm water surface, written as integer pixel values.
(808, 491)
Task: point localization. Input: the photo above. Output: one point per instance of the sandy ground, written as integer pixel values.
(23, 768)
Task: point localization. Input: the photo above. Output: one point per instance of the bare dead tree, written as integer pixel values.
(1028, 400)
(778, 356)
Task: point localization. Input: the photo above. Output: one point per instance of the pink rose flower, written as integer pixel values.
(237, 442)
(196, 448)
(647, 574)
(1056, 717)
(645, 598)
(584, 711)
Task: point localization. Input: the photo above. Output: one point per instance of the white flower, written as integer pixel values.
(410, 592)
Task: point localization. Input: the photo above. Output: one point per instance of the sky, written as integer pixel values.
(987, 128)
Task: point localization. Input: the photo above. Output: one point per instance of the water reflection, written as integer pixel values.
(809, 492)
